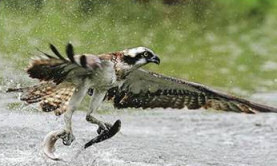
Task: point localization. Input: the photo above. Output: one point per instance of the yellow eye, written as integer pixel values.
(145, 54)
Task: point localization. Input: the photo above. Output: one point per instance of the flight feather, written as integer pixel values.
(151, 90)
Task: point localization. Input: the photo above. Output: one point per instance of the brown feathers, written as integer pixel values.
(58, 101)
(36, 93)
(48, 69)
(54, 93)
(56, 69)
(50, 96)
(151, 90)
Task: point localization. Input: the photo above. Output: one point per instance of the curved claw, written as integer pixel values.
(49, 143)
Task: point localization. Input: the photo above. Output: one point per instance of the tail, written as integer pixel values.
(50, 96)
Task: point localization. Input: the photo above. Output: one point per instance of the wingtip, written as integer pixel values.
(70, 52)
(51, 46)
(56, 52)
(69, 44)
(49, 56)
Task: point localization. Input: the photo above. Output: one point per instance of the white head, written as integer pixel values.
(140, 56)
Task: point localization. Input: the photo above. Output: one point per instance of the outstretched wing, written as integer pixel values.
(150, 90)
(56, 69)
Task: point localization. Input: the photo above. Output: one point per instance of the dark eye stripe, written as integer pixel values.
(132, 60)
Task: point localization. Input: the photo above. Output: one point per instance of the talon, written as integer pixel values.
(107, 126)
(105, 134)
(67, 138)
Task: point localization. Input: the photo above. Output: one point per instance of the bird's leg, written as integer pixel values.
(105, 130)
(65, 134)
(95, 102)
(75, 100)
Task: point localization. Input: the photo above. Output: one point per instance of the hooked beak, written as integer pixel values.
(155, 59)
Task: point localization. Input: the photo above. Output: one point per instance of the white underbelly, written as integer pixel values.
(104, 78)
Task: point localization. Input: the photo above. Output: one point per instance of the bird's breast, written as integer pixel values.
(104, 77)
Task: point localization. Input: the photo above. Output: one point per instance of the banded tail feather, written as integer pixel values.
(35, 93)
(51, 97)
(58, 101)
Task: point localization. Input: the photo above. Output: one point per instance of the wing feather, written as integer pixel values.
(56, 69)
(56, 52)
(70, 52)
(150, 90)
(50, 96)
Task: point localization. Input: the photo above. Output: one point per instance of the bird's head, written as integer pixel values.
(139, 56)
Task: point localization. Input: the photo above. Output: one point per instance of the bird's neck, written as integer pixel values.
(122, 69)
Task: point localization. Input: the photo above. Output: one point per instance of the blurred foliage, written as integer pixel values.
(227, 44)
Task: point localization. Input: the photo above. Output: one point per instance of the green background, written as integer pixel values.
(229, 45)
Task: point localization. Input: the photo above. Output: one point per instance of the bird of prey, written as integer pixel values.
(115, 77)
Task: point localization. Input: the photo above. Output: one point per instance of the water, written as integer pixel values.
(159, 137)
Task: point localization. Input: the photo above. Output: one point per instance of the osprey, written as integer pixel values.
(114, 77)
